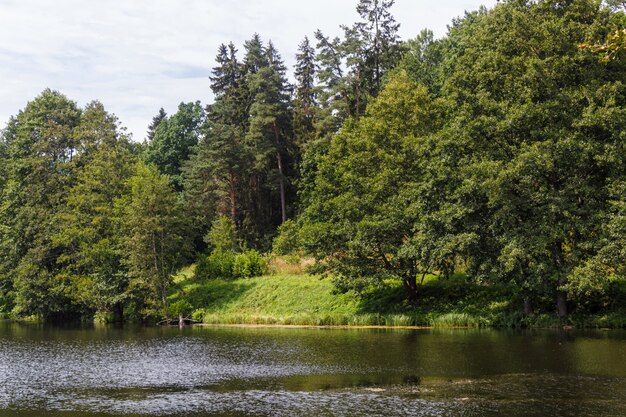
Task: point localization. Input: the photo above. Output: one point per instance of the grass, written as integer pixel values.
(291, 297)
(276, 298)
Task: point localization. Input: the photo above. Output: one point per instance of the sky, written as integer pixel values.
(136, 56)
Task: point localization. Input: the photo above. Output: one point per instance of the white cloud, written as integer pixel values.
(137, 56)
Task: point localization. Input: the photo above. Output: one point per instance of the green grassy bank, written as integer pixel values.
(301, 299)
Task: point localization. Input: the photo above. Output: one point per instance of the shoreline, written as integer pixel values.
(347, 326)
(319, 326)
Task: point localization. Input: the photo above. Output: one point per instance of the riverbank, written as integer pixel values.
(306, 300)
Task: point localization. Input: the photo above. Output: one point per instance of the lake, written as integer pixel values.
(220, 371)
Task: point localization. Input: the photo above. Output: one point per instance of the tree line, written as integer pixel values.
(496, 152)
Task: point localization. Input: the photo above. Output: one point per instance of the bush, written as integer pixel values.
(249, 264)
(217, 265)
(180, 307)
(288, 240)
(228, 264)
(198, 314)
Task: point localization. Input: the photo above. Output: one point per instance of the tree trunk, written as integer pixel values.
(232, 196)
(561, 297)
(410, 287)
(528, 307)
(358, 93)
(118, 313)
(283, 206)
(561, 303)
(281, 174)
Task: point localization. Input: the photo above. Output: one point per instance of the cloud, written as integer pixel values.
(137, 56)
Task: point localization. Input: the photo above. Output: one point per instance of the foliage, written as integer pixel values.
(173, 139)
(40, 146)
(219, 264)
(153, 240)
(495, 153)
(89, 233)
(527, 129)
(222, 237)
(248, 264)
(156, 120)
(359, 222)
(288, 240)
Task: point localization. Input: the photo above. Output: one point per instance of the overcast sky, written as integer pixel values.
(136, 56)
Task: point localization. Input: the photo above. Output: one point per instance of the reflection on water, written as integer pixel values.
(309, 372)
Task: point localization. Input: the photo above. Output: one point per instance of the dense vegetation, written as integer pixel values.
(496, 154)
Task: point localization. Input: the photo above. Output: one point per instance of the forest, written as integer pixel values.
(495, 155)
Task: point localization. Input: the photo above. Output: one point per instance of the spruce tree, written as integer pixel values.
(156, 120)
(378, 34)
(216, 171)
(305, 94)
(173, 140)
(270, 123)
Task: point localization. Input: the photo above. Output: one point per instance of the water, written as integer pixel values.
(309, 372)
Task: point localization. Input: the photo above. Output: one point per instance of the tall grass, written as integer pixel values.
(304, 319)
(456, 320)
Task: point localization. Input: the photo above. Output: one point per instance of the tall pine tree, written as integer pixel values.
(270, 123)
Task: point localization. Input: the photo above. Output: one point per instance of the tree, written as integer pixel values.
(6, 135)
(270, 124)
(216, 173)
(89, 234)
(154, 237)
(173, 140)
(305, 94)
(334, 89)
(156, 120)
(528, 104)
(40, 153)
(222, 236)
(97, 129)
(378, 35)
(6, 284)
(359, 222)
(422, 60)
(352, 69)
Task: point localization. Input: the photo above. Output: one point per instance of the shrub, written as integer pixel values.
(249, 264)
(198, 314)
(180, 307)
(217, 265)
(288, 240)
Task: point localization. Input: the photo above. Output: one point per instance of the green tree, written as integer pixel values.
(422, 60)
(379, 41)
(269, 132)
(156, 120)
(153, 237)
(89, 234)
(217, 168)
(305, 94)
(334, 89)
(222, 236)
(359, 221)
(173, 140)
(527, 129)
(353, 68)
(40, 168)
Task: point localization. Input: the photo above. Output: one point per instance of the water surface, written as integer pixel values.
(205, 371)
